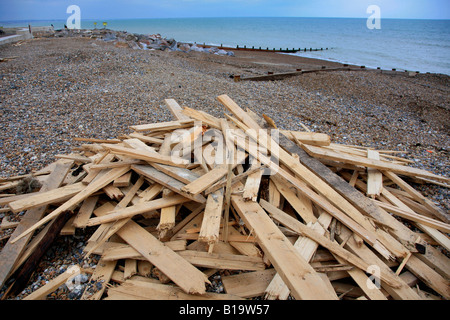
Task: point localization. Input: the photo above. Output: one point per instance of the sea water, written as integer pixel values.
(414, 45)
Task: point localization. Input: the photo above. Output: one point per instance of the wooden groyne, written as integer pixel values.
(345, 67)
(267, 49)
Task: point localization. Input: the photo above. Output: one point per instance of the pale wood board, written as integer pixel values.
(300, 277)
(140, 290)
(167, 181)
(184, 274)
(248, 284)
(52, 285)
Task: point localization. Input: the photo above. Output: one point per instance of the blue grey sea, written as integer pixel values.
(414, 45)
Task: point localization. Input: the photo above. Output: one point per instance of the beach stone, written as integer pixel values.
(221, 52)
(131, 37)
(184, 47)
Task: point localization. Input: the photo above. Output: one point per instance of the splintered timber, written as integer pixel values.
(230, 208)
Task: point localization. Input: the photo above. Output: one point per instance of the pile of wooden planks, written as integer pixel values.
(232, 208)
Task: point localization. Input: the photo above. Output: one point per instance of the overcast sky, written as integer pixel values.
(128, 9)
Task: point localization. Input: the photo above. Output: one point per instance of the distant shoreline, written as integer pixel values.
(369, 48)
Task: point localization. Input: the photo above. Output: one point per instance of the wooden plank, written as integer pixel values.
(281, 76)
(222, 260)
(117, 164)
(175, 109)
(45, 198)
(245, 248)
(140, 290)
(144, 138)
(234, 180)
(85, 212)
(374, 177)
(125, 251)
(151, 192)
(312, 138)
(123, 181)
(8, 224)
(206, 180)
(11, 251)
(99, 279)
(74, 157)
(184, 274)
(113, 193)
(145, 268)
(52, 285)
(167, 181)
(147, 155)
(248, 284)
(275, 195)
(167, 218)
(169, 125)
(93, 140)
(229, 157)
(211, 121)
(69, 228)
(130, 268)
(94, 186)
(139, 145)
(252, 183)
(140, 208)
(209, 231)
(299, 276)
(181, 174)
(301, 204)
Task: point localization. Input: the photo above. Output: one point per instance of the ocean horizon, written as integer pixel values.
(403, 44)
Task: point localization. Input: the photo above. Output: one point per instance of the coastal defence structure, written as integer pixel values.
(267, 49)
(12, 35)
